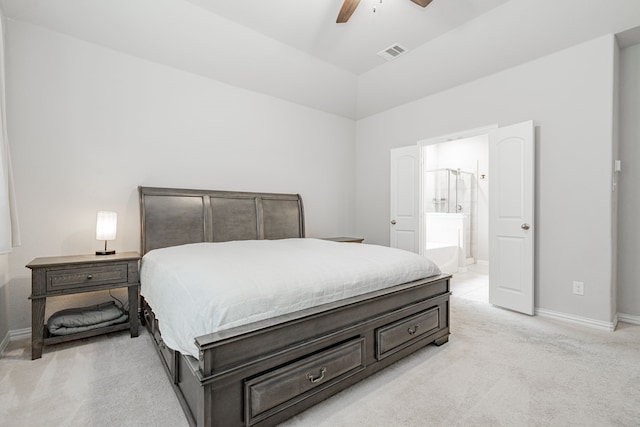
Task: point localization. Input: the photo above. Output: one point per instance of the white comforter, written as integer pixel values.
(201, 288)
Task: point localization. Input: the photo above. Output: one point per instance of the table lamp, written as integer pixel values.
(106, 225)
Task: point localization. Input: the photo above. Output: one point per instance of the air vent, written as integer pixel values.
(392, 52)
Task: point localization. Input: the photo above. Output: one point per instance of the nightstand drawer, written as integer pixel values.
(71, 278)
(66, 275)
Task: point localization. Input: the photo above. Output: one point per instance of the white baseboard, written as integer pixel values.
(5, 343)
(19, 334)
(14, 335)
(628, 318)
(584, 321)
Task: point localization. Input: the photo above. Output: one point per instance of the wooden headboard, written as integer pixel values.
(171, 217)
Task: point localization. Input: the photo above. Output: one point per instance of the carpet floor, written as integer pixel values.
(499, 368)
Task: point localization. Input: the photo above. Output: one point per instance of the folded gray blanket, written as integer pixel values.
(72, 320)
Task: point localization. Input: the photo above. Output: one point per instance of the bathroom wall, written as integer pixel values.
(470, 155)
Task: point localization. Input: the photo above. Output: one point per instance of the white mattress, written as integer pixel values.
(202, 288)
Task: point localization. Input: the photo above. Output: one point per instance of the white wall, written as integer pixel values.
(4, 318)
(569, 94)
(629, 209)
(88, 125)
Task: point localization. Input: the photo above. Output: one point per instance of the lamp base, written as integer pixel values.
(105, 252)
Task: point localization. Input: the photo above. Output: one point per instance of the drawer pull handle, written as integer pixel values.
(89, 277)
(413, 330)
(316, 380)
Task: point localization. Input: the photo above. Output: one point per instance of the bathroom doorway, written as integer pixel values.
(510, 207)
(456, 203)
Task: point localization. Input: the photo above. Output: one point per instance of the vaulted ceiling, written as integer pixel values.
(311, 25)
(295, 50)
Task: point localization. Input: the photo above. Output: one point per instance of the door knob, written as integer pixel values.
(525, 226)
(393, 222)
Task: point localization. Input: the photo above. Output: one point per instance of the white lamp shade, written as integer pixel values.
(106, 225)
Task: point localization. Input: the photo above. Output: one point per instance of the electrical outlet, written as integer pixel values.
(578, 288)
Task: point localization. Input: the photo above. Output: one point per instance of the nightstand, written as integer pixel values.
(55, 276)
(345, 239)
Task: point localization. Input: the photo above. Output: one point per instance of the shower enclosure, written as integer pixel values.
(450, 206)
(449, 190)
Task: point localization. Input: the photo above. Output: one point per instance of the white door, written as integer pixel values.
(511, 217)
(405, 198)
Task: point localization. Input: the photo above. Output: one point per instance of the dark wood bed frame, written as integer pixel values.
(265, 372)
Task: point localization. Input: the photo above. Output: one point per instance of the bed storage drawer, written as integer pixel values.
(276, 390)
(167, 356)
(404, 332)
(71, 278)
(165, 352)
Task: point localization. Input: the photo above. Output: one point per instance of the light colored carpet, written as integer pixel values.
(111, 380)
(498, 369)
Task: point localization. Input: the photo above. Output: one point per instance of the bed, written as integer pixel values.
(267, 369)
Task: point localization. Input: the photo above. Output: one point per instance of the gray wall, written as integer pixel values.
(629, 183)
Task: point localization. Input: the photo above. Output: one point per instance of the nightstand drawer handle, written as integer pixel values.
(89, 277)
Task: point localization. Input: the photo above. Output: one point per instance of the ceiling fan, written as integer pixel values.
(349, 6)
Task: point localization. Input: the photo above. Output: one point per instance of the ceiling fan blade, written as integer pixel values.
(423, 3)
(347, 9)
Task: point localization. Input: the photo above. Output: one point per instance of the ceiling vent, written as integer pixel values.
(392, 52)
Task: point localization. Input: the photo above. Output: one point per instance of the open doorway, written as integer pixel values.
(511, 209)
(455, 223)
